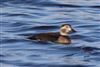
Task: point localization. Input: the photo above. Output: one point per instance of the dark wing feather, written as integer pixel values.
(44, 36)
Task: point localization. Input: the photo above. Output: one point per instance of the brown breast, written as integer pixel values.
(64, 40)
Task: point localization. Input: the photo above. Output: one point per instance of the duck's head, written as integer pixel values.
(66, 29)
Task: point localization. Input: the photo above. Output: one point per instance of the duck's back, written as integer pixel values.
(45, 37)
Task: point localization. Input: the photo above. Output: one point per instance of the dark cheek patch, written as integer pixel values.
(63, 30)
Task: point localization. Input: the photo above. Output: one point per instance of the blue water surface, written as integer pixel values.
(22, 18)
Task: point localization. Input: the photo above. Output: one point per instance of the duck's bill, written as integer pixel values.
(73, 30)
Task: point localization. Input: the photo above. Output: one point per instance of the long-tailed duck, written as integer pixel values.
(58, 37)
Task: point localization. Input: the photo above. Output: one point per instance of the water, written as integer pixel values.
(20, 19)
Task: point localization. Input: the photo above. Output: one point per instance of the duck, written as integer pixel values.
(61, 37)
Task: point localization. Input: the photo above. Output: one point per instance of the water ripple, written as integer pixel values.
(20, 19)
